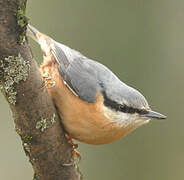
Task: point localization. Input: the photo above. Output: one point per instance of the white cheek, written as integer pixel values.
(124, 119)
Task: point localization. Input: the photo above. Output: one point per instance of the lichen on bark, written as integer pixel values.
(22, 21)
(12, 71)
(44, 123)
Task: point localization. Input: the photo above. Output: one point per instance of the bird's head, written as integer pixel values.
(128, 107)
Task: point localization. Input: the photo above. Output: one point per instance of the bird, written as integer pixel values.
(95, 106)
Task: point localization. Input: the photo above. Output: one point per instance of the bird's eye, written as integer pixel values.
(127, 109)
(122, 108)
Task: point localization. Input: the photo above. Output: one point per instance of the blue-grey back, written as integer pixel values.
(87, 77)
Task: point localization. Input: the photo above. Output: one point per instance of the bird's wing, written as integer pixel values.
(77, 74)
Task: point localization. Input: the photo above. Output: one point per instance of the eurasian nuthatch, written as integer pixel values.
(95, 106)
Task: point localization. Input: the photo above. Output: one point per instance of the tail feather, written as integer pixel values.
(40, 38)
(62, 53)
(32, 32)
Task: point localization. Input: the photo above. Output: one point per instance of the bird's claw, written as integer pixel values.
(48, 82)
(75, 153)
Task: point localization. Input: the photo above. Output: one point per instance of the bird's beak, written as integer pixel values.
(153, 114)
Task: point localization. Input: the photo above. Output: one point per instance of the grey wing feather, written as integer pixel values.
(60, 55)
(76, 73)
(82, 80)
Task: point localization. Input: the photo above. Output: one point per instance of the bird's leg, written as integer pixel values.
(75, 153)
(46, 69)
(48, 82)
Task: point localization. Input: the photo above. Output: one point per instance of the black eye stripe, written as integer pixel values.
(120, 107)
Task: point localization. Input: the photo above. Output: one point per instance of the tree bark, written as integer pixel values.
(34, 113)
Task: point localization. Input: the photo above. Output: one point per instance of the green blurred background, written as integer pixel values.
(142, 41)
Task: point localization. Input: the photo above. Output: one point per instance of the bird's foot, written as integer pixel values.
(75, 153)
(48, 82)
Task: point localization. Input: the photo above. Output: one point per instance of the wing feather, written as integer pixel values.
(76, 73)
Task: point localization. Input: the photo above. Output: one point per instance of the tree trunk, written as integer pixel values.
(36, 119)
